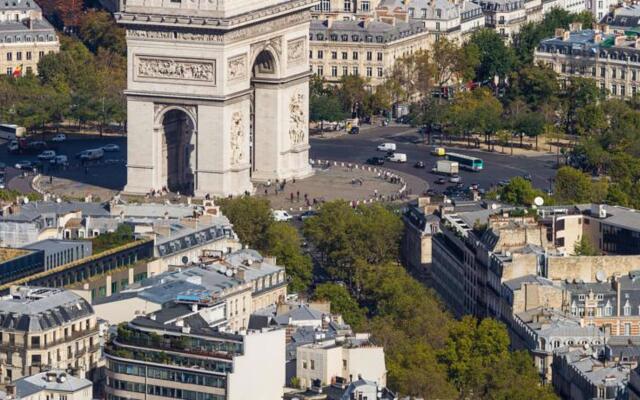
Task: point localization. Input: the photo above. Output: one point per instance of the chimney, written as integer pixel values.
(575, 26)
(566, 35)
(559, 33)
(605, 29)
(597, 38)
(619, 40)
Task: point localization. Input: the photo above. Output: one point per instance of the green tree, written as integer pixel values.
(283, 242)
(325, 108)
(251, 218)
(341, 303)
(495, 57)
(519, 191)
(452, 62)
(538, 85)
(98, 30)
(475, 112)
(531, 124)
(352, 93)
(584, 247)
(580, 93)
(572, 186)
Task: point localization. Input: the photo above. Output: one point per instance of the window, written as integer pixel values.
(355, 71)
(344, 363)
(608, 310)
(634, 74)
(313, 364)
(334, 71)
(325, 5)
(626, 309)
(344, 55)
(627, 329)
(18, 55)
(347, 5)
(9, 56)
(613, 73)
(304, 364)
(603, 72)
(345, 71)
(379, 56)
(40, 54)
(9, 71)
(334, 55)
(623, 90)
(369, 72)
(437, 26)
(614, 90)
(36, 359)
(365, 6)
(581, 297)
(599, 296)
(320, 70)
(411, 12)
(369, 56)
(320, 54)
(355, 55)
(380, 73)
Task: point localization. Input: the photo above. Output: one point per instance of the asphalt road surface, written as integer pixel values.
(110, 172)
(497, 166)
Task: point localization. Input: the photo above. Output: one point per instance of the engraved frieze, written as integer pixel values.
(296, 50)
(237, 68)
(176, 69)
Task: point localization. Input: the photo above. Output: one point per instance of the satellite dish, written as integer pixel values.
(538, 201)
(185, 260)
(229, 273)
(600, 276)
(223, 269)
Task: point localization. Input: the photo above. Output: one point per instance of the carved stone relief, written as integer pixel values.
(296, 51)
(237, 68)
(273, 44)
(297, 120)
(237, 138)
(177, 69)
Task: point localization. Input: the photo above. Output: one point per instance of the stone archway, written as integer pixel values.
(217, 95)
(177, 151)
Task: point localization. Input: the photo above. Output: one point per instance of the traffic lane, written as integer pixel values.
(497, 167)
(108, 172)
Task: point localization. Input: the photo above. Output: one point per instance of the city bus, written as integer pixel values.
(467, 162)
(11, 132)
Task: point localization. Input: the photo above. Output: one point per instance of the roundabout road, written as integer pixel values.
(497, 166)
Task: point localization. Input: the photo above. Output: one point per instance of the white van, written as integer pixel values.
(387, 147)
(398, 158)
(92, 154)
(281, 216)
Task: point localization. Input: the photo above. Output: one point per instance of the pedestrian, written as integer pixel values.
(292, 197)
(298, 195)
(266, 192)
(268, 182)
(375, 193)
(50, 179)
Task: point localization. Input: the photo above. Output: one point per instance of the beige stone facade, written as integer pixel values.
(67, 338)
(217, 94)
(25, 38)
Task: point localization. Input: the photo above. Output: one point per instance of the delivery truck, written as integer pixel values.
(446, 167)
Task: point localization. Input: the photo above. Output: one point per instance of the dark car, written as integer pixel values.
(419, 164)
(307, 214)
(432, 192)
(354, 130)
(441, 181)
(375, 161)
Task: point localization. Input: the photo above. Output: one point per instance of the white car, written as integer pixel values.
(60, 137)
(398, 158)
(387, 147)
(47, 155)
(60, 160)
(455, 179)
(111, 147)
(281, 216)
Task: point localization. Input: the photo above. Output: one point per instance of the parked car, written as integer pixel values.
(25, 164)
(387, 147)
(92, 154)
(397, 158)
(419, 164)
(111, 147)
(528, 177)
(60, 160)
(47, 155)
(307, 214)
(281, 216)
(375, 161)
(455, 179)
(441, 181)
(354, 130)
(60, 137)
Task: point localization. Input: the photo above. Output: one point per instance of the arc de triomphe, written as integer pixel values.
(217, 93)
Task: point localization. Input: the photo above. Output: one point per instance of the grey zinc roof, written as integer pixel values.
(593, 369)
(53, 245)
(18, 32)
(155, 210)
(361, 30)
(33, 211)
(18, 5)
(448, 10)
(183, 237)
(38, 309)
(516, 284)
(33, 384)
